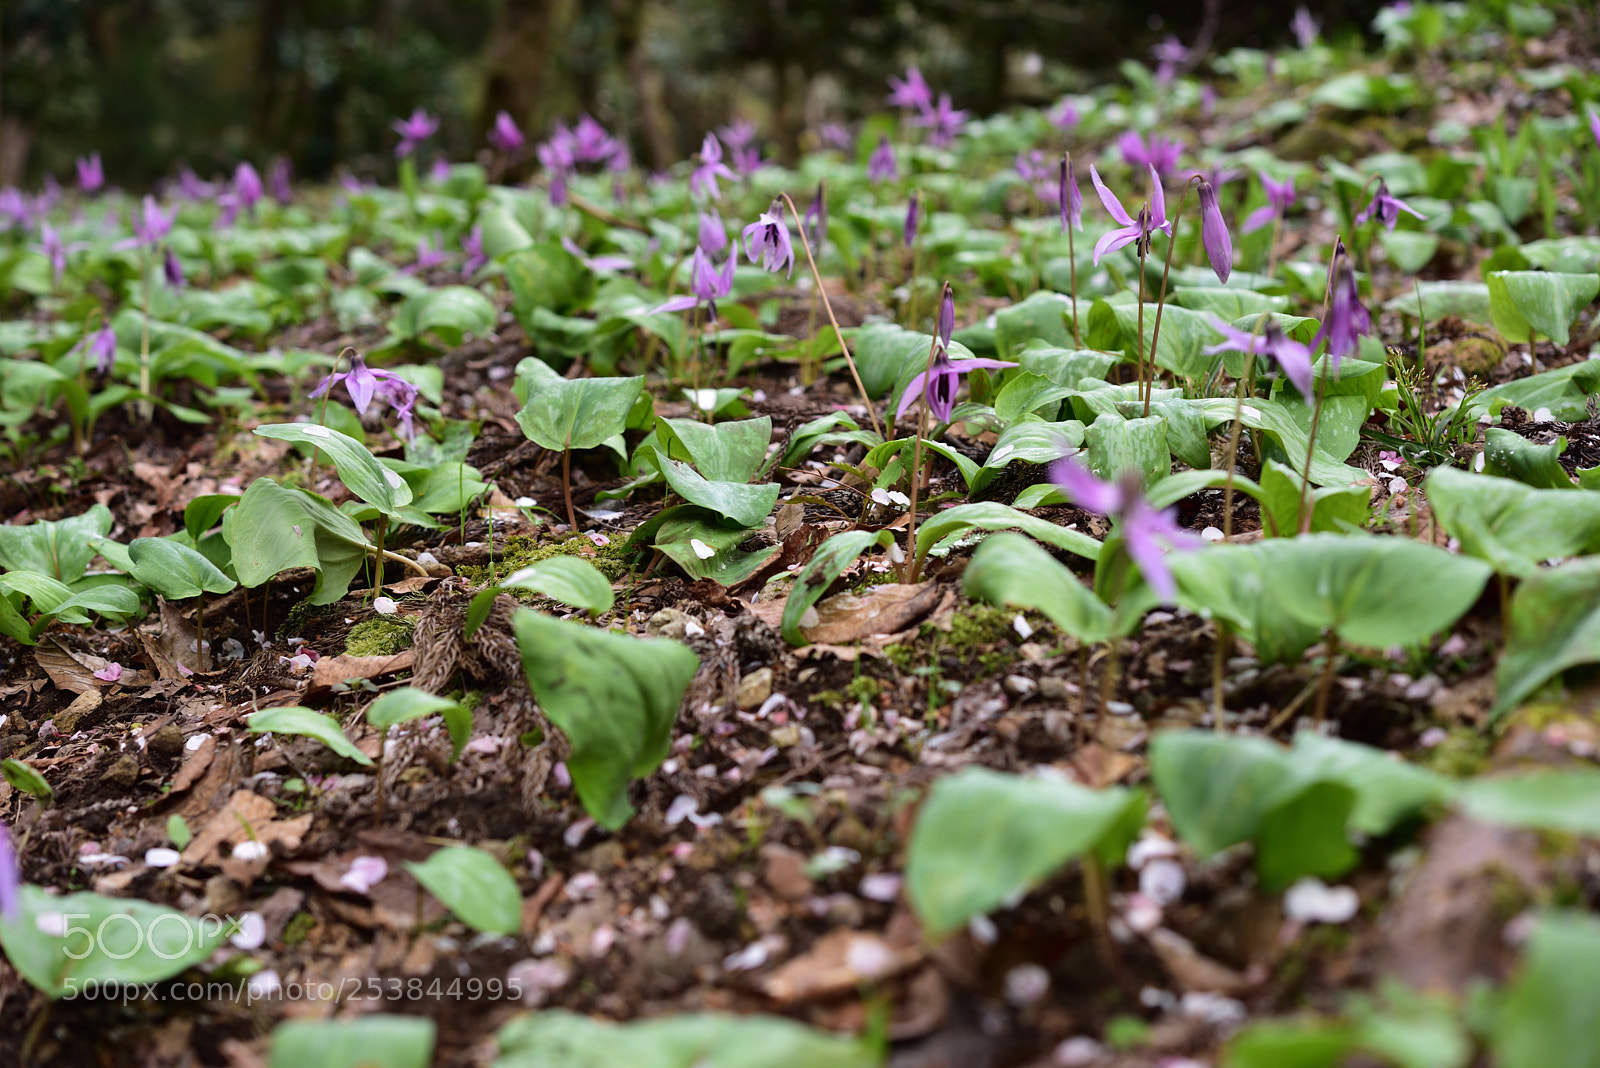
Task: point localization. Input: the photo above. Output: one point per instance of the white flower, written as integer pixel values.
(1313, 901)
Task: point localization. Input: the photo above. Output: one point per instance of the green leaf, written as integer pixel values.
(103, 940)
(1387, 790)
(1009, 569)
(359, 470)
(568, 579)
(1334, 508)
(547, 277)
(1228, 303)
(825, 565)
(1522, 303)
(727, 564)
(722, 452)
(983, 838)
(1184, 333)
(614, 697)
(1510, 455)
(1031, 441)
(22, 776)
(450, 488)
(274, 528)
(1469, 300)
(308, 724)
(745, 505)
(991, 515)
(449, 314)
(205, 512)
(178, 832)
(1548, 1017)
(376, 1041)
(1067, 367)
(1043, 315)
(1409, 250)
(1564, 801)
(408, 703)
(1555, 625)
(175, 571)
(1513, 526)
(1117, 446)
(60, 549)
(1565, 391)
(474, 886)
(578, 413)
(557, 1039)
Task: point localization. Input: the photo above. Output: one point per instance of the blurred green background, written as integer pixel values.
(154, 83)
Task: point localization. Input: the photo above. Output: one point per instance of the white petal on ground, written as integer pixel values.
(1313, 901)
(251, 933)
(161, 857)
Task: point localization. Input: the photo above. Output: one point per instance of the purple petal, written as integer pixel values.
(913, 391)
(1262, 216)
(1158, 202)
(1084, 489)
(1109, 199)
(674, 304)
(1214, 234)
(1115, 239)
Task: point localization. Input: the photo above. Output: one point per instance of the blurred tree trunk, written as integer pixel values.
(654, 124)
(525, 72)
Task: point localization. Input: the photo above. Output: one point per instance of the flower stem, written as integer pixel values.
(1155, 334)
(1139, 365)
(566, 489)
(913, 560)
(828, 305)
(1326, 683)
(147, 408)
(1272, 252)
(1230, 458)
(1072, 258)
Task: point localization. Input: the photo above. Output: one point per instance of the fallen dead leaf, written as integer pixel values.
(246, 816)
(194, 765)
(73, 670)
(837, 963)
(331, 670)
(1193, 971)
(848, 617)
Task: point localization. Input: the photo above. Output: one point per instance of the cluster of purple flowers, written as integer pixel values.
(1157, 152)
(585, 144)
(939, 118)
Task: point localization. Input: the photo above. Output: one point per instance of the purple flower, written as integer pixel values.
(1280, 197)
(911, 92)
(15, 206)
(413, 131)
(1385, 208)
(881, 166)
(835, 135)
(1064, 116)
(172, 268)
(153, 224)
(472, 245)
(1290, 355)
(713, 232)
(772, 238)
(738, 134)
(91, 175)
(590, 142)
(1158, 152)
(1147, 532)
(1594, 126)
(1070, 197)
(942, 121)
(505, 136)
(190, 185)
(1348, 319)
(909, 233)
(937, 385)
(708, 284)
(56, 250)
(429, 253)
(439, 170)
(596, 263)
(280, 179)
(228, 207)
(1170, 54)
(1304, 27)
(815, 220)
(101, 346)
(247, 185)
(1214, 233)
(1134, 232)
(555, 156)
(1208, 100)
(365, 384)
(10, 879)
(704, 177)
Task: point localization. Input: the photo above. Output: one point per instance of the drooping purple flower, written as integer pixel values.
(55, 250)
(1293, 358)
(190, 185)
(172, 268)
(439, 170)
(1304, 27)
(1348, 319)
(429, 254)
(1068, 194)
(1594, 126)
(596, 263)
(881, 165)
(1064, 116)
(741, 133)
(91, 175)
(247, 185)
(1170, 54)
(152, 224)
(771, 237)
(835, 135)
(1214, 233)
(413, 131)
(505, 135)
(1280, 198)
(910, 92)
(707, 283)
(10, 879)
(100, 346)
(1157, 152)
(555, 156)
(590, 141)
(1136, 232)
(815, 220)
(1386, 208)
(938, 385)
(364, 384)
(704, 177)
(228, 207)
(280, 180)
(941, 121)
(913, 211)
(1147, 532)
(713, 231)
(472, 245)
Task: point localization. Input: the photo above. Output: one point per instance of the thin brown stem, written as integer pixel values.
(913, 561)
(1219, 662)
(1172, 243)
(1326, 683)
(566, 488)
(1095, 899)
(1303, 511)
(1072, 257)
(1272, 253)
(816, 277)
